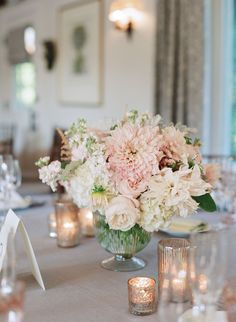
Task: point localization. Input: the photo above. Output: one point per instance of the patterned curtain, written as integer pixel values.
(179, 61)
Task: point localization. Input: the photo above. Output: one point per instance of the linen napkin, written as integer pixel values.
(188, 226)
(16, 202)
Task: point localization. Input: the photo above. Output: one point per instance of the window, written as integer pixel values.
(24, 80)
(24, 87)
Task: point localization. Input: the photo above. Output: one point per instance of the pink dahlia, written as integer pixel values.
(173, 147)
(133, 154)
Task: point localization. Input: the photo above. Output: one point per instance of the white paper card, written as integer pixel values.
(12, 223)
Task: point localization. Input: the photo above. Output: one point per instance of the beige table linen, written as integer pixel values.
(77, 288)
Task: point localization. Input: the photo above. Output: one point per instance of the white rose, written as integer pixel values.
(121, 213)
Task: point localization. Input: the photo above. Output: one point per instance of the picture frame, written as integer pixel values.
(81, 53)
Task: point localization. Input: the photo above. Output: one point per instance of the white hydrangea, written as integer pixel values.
(91, 173)
(80, 186)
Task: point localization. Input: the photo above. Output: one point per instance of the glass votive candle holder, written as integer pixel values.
(229, 297)
(68, 227)
(86, 222)
(173, 263)
(12, 303)
(142, 295)
(52, 225)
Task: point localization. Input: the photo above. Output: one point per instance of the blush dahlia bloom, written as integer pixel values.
(133, 154)
(173, 146)
(212, 173)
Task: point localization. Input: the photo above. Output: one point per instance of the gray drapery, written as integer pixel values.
(179, 61)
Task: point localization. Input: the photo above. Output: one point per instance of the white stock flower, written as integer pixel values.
(121, 213)
(51, 174)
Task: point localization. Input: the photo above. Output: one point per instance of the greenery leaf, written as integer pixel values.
(70, 169)
(206, 202)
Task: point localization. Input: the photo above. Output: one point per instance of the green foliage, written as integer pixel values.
(98, 189)
(42, 162)
(70, 169)
(132, 116)
(79, 127)
(191, 164)
(188, 140)
(90, 144)
(206, 202)
(175, 166)
(197, 142)
(113, 127)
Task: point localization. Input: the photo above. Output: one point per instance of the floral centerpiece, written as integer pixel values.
(136, 176)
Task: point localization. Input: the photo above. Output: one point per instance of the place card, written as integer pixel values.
(12, 224)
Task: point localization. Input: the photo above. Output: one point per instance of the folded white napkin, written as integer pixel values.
(16, 202)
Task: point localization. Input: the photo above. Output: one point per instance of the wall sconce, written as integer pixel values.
(50, 53)
(125, 14)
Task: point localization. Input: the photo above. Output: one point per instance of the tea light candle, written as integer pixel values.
(86, 222)
(52, 225)
(202, 280)
(179, 287)
(67, 224)
(142, 295)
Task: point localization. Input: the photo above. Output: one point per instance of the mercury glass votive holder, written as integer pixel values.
(229, 297)
(173, 265)
(12, 303)
(52, 225)
(68, 227)
(86, 222)
(142, 295)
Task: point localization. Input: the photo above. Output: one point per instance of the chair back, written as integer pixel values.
(7, 133)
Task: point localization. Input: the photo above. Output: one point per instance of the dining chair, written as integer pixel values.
(7, 136)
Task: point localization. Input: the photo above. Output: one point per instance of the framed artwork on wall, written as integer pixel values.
(80, 53)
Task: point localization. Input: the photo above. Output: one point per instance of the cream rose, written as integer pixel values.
(121, 213)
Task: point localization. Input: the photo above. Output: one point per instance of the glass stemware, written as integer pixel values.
(5, 173)
(11, 290)
(208, 259)
(16, 175)
(10, 176)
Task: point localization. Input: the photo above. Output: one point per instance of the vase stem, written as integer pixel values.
(122, 258)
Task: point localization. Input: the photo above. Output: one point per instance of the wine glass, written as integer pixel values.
(208, 258)
(16, 175)
(11, 290)
(6, 170)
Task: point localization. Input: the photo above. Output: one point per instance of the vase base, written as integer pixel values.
(125, 265)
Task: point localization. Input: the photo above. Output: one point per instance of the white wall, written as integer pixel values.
(128, 69)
